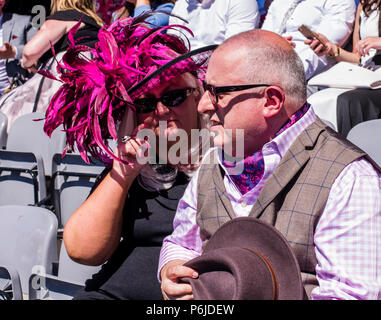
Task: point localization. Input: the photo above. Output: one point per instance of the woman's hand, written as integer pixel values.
(364, 45)
(129, 148)
(319, 49)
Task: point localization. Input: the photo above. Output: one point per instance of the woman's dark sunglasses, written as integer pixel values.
(215, 91)
(170, 99)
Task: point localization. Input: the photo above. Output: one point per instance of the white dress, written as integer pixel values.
(324, 102)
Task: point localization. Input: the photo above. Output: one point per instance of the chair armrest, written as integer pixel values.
(15, 279)
(51, 287)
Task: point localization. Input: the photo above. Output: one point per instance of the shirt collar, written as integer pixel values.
(285, 139)
(281, 143)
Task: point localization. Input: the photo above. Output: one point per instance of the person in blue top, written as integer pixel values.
(263, 6)
(134, 8)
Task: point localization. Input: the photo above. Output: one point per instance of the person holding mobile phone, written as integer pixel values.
(131, 207)
(342, 107)
(366, 39)
(332, 18)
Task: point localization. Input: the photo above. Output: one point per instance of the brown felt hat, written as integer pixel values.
(247, 259)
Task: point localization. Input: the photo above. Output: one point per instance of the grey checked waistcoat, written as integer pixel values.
(293, 197)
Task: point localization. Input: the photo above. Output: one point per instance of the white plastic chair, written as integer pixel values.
(3, 130)
(71, 278)
(27, 160)
(72, 180)
(27, 135)
(28, 244)
(22, 179)
(366, 135)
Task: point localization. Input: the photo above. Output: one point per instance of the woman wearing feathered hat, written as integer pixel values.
(132, 206)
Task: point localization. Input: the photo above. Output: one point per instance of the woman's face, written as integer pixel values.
(181, 117)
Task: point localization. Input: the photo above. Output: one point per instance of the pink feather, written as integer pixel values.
(95, 94)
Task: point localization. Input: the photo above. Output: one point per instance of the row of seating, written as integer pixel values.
(39, 190)
(33, 172)
(28, 254)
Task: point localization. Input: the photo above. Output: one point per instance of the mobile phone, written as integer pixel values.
(309, 34)
(127, 125)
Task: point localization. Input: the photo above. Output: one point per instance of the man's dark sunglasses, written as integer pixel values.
(215, 91)
(170, 99)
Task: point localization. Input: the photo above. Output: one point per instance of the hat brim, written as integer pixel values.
(193, 61)
(257, 235)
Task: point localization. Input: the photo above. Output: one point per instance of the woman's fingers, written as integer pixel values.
(314, 43)
(308, 42)
(128, 124)
(130, 149)
(320, 48)
(363, 47)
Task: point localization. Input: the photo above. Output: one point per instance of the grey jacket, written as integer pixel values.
(17, 30)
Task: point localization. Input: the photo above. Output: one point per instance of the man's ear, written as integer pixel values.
(275, 99)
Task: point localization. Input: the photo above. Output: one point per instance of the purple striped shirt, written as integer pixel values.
(347, 237)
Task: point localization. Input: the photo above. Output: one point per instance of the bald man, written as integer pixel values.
(320, 191)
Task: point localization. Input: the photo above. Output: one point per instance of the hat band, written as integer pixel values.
(272, 272)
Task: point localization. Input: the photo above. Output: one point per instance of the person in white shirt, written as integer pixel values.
(214, 21)
(332, 18)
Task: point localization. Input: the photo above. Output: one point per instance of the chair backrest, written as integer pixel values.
(22, 179)
(366, 135)
(72, 180)
(27, 135)
(28, 240)
(3, 130)
(72, 271)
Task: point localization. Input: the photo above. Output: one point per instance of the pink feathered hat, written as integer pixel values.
(130, 59)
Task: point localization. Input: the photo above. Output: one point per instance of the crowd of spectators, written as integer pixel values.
(333, 20)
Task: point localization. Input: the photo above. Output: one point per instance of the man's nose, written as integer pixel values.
(205, 105)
